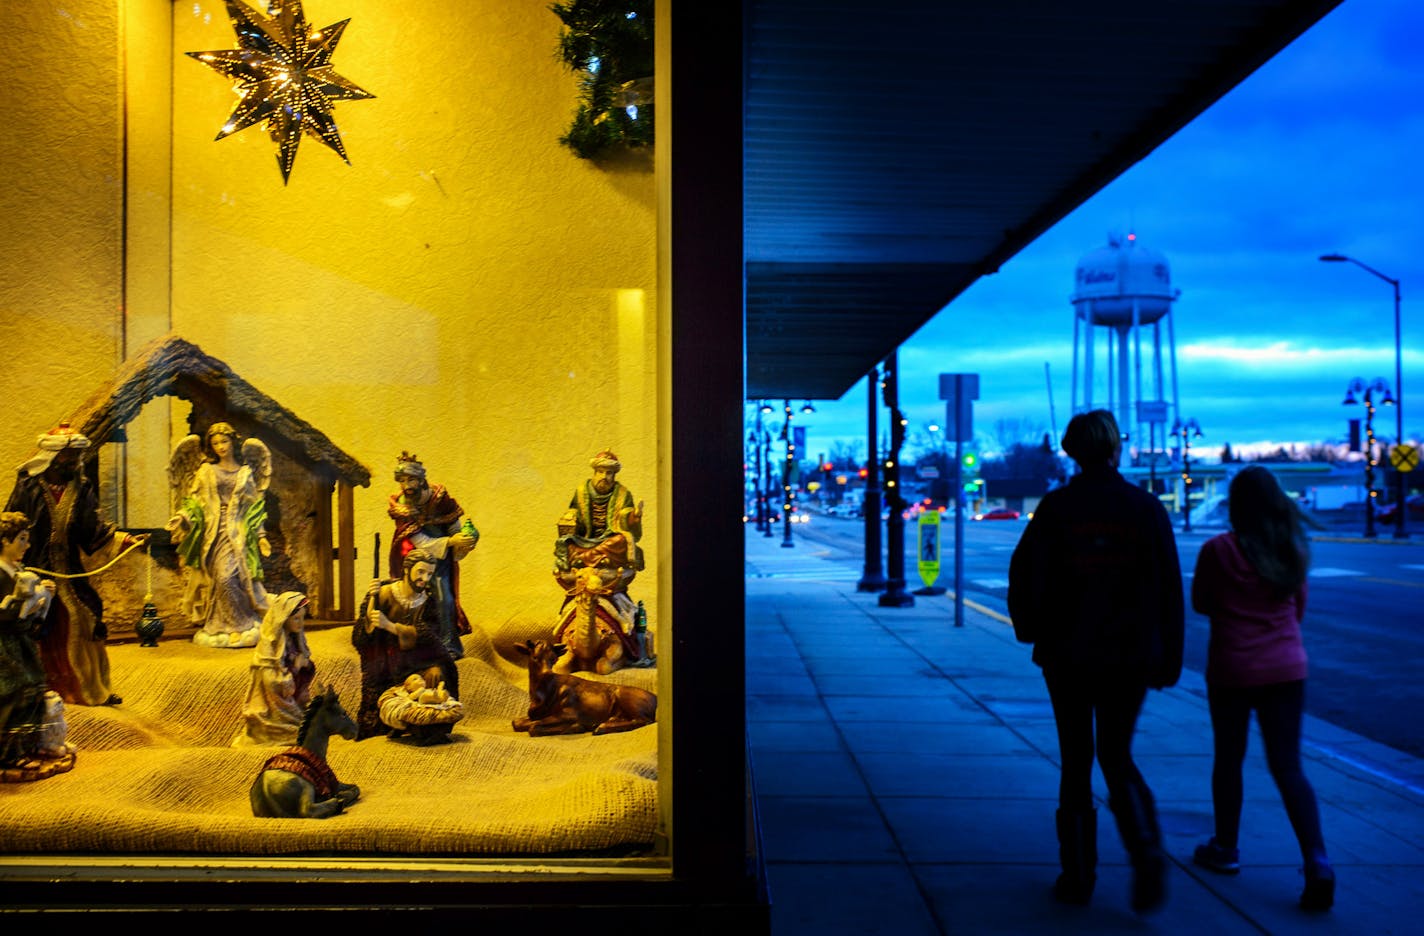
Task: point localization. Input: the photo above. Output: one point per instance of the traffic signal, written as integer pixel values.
(970, 461)
(864, 473)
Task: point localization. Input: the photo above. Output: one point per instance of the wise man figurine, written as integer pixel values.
(428, 518)
(599, 533)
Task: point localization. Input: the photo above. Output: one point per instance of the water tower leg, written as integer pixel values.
(1158, 389)
(1124, 375)
(1172, 350)
(1088, 362)
(1108, 360)
(1137, 375)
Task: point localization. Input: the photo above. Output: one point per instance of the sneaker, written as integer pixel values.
(1215, 858)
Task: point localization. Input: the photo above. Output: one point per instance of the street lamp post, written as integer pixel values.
(760, 441)
(1187, 431)
(753, 453)
(787, 474)
(1377, 385)
(764, 468)
(1400, 511)
(894, 595)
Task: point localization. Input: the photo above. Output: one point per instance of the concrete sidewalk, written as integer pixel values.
(907, 775)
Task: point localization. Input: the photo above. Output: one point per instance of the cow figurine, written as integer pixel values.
(564, 704)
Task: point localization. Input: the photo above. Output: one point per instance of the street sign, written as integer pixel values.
(1152, 411)
(1404, 457)
(959, 391)
(929, 546)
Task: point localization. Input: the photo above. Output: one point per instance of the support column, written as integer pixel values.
(872, 579)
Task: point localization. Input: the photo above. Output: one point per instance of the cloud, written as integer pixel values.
(1267, 361)
(1317, 152)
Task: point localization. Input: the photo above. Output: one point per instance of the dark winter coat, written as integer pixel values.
(1095, 584)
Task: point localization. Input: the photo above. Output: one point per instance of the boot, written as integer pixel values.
(1319, 893)
(1078, 854)
(1136, 814)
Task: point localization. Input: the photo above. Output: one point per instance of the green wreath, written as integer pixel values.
(609, 43)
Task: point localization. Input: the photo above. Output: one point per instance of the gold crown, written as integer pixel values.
(407, 463)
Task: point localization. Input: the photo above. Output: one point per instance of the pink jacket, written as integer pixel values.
(1255, 636)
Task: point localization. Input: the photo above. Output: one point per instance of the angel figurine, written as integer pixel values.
(220, 527)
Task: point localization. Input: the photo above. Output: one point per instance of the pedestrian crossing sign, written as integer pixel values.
(929, 546)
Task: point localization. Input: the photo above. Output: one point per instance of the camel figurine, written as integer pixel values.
(561, 704)
(596, 624)
(298, 783)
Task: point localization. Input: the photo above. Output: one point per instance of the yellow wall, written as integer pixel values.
(61, 203)
(466, 289)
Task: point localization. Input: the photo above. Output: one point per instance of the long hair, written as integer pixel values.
(1268, 527)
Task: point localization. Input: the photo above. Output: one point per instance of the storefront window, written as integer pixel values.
(291, 371)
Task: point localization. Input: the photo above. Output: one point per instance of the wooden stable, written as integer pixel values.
(314, 547)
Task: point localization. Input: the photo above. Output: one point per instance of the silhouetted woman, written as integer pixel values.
(1096, 587)
(1251, 583)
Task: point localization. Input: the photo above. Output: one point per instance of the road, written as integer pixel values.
(1363, 628)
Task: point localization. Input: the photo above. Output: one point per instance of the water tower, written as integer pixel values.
(1121, 291)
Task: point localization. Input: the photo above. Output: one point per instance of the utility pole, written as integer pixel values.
(959, 391)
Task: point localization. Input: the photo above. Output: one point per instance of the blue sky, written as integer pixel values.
(1320, 151)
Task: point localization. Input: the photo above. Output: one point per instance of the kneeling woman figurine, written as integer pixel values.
(282, 671)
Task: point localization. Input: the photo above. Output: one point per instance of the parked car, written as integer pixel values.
(998, 513)
(1387, 513)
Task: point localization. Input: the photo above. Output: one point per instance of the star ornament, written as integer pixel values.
(283, 75)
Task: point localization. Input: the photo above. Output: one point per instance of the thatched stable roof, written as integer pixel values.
(171, 366)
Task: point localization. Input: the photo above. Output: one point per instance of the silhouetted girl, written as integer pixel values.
(1251, 584)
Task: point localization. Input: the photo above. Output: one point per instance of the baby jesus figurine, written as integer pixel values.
(414, 708)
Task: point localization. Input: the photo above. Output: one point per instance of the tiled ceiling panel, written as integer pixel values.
(896, 151)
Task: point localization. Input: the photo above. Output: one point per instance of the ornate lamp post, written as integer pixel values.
(764, 467)
(788, 470)
(759, 469)
(757, 441)
(894, 595)
(1399, 531)
(1377, 385)
(754, 453)
(1187, 431)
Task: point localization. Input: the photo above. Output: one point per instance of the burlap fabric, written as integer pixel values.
(157, 775)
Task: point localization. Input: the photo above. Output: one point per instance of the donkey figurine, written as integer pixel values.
(563, 704)
(298, 783)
